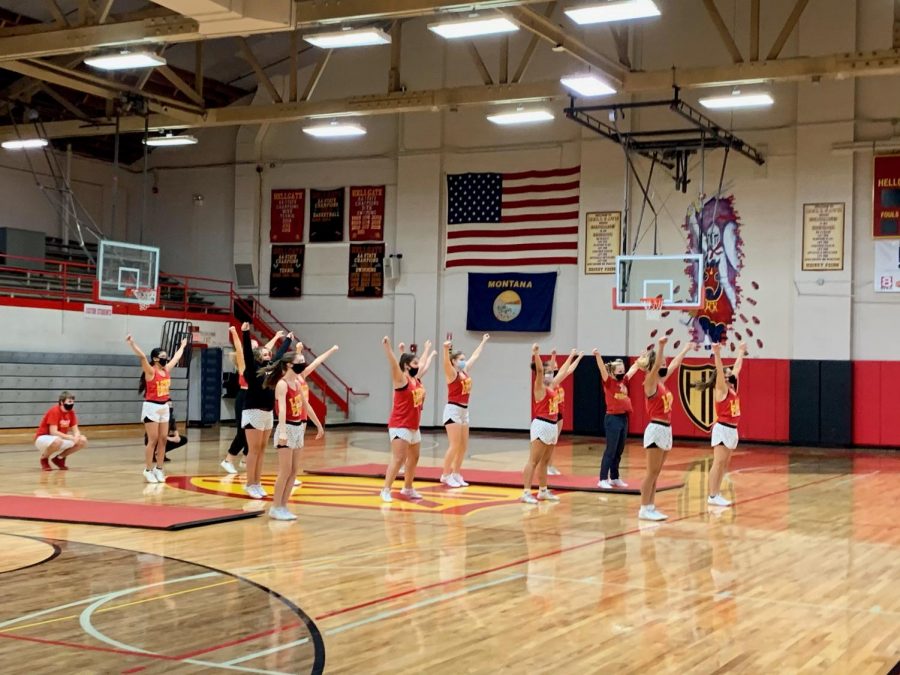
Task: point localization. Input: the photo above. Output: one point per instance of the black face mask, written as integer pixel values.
(732, 380)
(413, 372)
(663, 372)
(298, 367)
(620, 376)
(163, 362)
(68, 406)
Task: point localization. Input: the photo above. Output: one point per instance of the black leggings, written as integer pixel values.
(240, 438)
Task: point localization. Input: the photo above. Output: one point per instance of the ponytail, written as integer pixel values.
(706, 385)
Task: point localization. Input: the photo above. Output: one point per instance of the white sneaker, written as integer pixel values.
(553, 471)
(260, 491)
(459, 479)
(386, 495)
(410, 493)
(605, 484)
(251, 490)
(717, 500)
(228, 466)
(650, 513)
(297, 482)
(619, 483)
(528, 498)
(278, 513)
(160, 475)
(547, 496)
(150, 476)
(449, 480)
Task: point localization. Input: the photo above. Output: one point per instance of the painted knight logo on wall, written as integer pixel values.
(714, 233)
(698, 404)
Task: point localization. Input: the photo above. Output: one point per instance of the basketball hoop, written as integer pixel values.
(146, 297)
(653, 308)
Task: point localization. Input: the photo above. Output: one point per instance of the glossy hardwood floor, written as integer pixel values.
(801, 576)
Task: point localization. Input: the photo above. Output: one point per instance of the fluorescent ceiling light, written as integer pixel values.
(25, 143)
(349, 38)
(587, 85)
(617, 10)
(170, 140)
(335, 130)
(737, 100)
(473, 28)
(125, 60)
(521, 117)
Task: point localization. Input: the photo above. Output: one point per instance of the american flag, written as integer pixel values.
(513, 219)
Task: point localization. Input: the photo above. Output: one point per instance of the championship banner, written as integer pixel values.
(886, 197)
(887, 266)
(326, 215)
(286, 274)
(367, 213)
(286, 216)
(514, 302)
(366, 275)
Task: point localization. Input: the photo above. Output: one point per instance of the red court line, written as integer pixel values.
(471, 575)
(90, 648)
(523, 561)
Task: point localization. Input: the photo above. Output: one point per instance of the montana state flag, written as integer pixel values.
(513, 302)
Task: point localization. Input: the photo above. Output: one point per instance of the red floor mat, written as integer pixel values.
(497, 478)
(117, 514)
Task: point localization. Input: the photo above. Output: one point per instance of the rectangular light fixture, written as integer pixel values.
(25, 143)
(732, 101)
(170, 140)
(616, 10)
(587, 85)
(335, 130)
(125, 60)
(362, 37)
(521, 117)
(454, 30)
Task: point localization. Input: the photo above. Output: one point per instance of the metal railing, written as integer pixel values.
(331, 384)
(68, 281)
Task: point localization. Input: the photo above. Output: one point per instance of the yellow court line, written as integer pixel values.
(127, 604)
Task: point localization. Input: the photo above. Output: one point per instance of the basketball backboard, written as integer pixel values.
(677, 278)
(123, 268)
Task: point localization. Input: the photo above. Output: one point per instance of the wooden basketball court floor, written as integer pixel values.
(801, 576)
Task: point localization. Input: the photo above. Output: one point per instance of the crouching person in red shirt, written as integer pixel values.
(58, 433)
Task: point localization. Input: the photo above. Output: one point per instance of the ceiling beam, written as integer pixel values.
(787, 29)
(560, 39)
(87, 38)
(180, 84)
(63, 101)
(723, 31)
(883, 62)
(532, 45)
(316, 75)
(479, 63)
(261, 76)
(754, 30)
(834, 66)
(89, 84)
(56, 12)
(103, 10)
(311, 13)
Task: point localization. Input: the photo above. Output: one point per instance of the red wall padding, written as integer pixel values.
(765, 402)
(875, 403)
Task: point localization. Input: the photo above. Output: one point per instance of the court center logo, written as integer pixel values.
(698, 404)
(355, 492)
(507, 306)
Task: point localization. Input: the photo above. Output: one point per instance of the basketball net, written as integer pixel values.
(653, 308)
(146, 297)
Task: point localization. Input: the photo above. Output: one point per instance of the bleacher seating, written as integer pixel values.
(105, 387)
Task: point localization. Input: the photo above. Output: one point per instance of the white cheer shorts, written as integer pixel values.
(724, 435)
(261, 420)
(543, 431)
(295, 434)
(659, 435)
(45, 441)
(155, 412)
(411, 436)
(456, 414)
